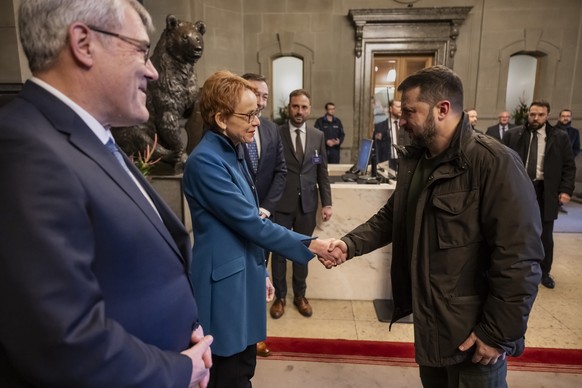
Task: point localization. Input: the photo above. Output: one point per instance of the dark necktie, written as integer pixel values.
(115, 151)
(395, 140)
(253, 154)
(533, 156)
(503, 130)
(298, 146)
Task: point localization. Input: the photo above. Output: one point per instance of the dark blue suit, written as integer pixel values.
(271, 172)
(93, 284)
(228, 259)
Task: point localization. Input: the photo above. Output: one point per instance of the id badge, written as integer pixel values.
(316, 159)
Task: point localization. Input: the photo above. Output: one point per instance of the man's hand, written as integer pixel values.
(270, 290)
(563, 198)
(201, 357)
(484, 354)
(326, 213)
(321, 249)
(339, 250)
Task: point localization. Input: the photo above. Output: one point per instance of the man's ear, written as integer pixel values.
(81, 43)
(220, 120)
(443, 108)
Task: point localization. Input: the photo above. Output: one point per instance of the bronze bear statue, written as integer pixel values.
(170, 100)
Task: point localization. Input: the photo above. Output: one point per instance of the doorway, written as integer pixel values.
(388, 71)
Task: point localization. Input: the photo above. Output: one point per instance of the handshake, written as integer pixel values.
(330, 252)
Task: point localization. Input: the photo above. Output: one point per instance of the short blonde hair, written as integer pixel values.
(221, 93)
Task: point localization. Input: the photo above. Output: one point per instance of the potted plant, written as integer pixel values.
(144, 161)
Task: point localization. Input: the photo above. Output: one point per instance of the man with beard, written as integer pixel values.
(306, 160)
(467, 271)
(565, 123)
(547, 154)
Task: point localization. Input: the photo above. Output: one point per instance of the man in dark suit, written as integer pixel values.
(306, 177)
(94, 282)
(547, 155)
(387, 133)
(267, 168)
(498, 130)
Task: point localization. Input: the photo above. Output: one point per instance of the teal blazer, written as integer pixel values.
(228, 260)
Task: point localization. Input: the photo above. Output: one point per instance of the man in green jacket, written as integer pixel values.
(465, 229)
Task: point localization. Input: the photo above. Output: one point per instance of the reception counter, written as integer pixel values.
(362, 278)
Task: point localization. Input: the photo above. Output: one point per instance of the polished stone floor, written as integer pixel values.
(555, 322)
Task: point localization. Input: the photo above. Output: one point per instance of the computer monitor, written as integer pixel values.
(364, 156)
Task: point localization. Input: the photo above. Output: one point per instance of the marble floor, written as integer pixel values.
(555, 322)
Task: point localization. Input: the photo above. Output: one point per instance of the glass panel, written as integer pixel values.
(287, 76)
(521, 81)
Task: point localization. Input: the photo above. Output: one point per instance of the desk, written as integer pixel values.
(362, 278)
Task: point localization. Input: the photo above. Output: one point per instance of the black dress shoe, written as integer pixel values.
(548, 282)
(303, 306)
(562, 210)
(278, 308)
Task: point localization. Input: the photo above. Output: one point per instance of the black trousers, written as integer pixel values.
(333, 155)
(299, 222)
(547, 231)
(234, 371)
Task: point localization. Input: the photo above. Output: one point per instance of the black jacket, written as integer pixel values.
(559, 165)
(473, 267)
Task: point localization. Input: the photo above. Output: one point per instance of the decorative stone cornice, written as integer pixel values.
(361, 18)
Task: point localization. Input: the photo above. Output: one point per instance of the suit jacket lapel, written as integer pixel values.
(82, 137)
(286, 135)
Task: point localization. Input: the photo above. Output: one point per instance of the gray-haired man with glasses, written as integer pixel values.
(94, 285)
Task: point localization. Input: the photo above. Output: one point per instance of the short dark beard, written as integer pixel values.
(428, 133)
(536, 126)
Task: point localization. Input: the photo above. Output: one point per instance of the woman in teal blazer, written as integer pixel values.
(228, 261)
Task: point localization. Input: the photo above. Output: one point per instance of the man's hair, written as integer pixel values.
(254, 77)
(436, 83)
(391, 102)
(565, 110)
(542, 103)
(300, 92)
(43, 24)
(221, 93)
(328, 104)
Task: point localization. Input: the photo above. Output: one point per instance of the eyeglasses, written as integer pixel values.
(249, 116)
(141, 45)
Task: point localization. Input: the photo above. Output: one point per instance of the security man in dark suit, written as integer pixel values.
(547, 155)
(306, 177)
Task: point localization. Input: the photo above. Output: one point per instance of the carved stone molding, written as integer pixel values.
(369, 23)
(402, 31)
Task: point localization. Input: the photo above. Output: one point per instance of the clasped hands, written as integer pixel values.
(330, 252)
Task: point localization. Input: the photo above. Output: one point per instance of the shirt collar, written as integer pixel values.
(101, 132)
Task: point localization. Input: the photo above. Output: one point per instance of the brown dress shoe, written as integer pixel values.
(263, 350)
(303, 306)
(278, 308)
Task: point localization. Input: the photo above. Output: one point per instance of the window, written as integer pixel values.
(521, 80)
(287, 76)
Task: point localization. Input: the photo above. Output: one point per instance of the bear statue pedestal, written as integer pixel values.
(169, 187)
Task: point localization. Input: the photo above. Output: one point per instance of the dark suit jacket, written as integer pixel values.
(493, 131)
(559, 166)
(93, 284)
(307, 178)
(271, 173)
